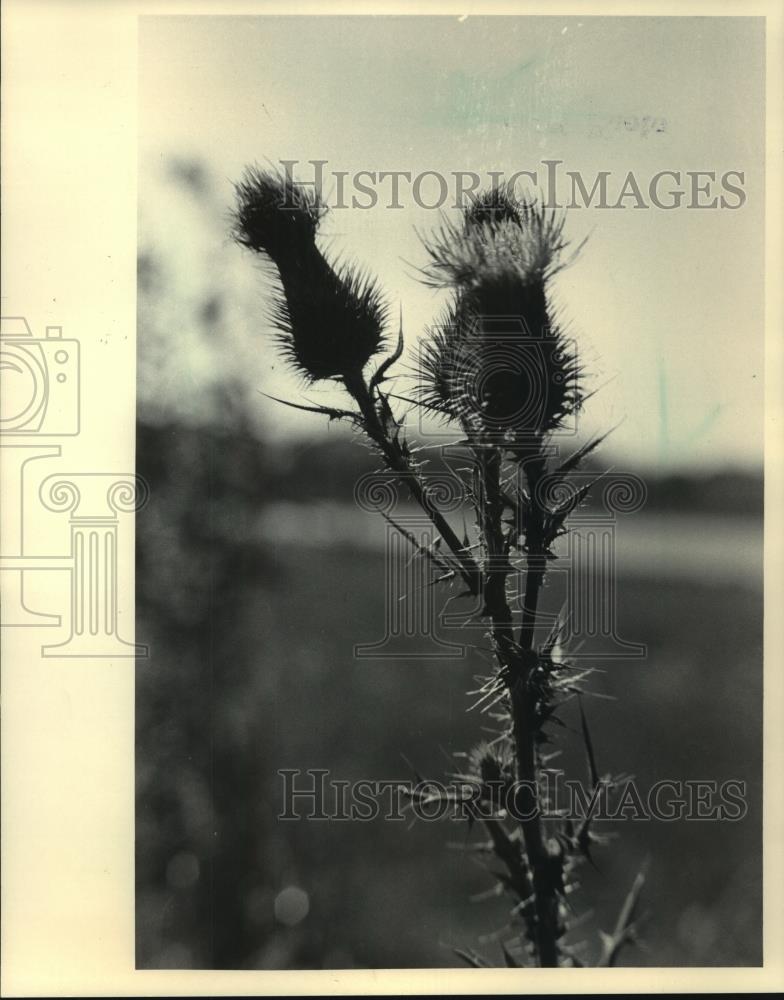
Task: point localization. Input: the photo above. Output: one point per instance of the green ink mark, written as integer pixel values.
(708, 421)
(469, 100)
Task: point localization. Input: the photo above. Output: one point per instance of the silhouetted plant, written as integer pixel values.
(499, 367)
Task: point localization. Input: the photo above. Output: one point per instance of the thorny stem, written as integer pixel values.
(497, 565)
(545, 867)
(399, 461)
(534, 577)
(545, 870)
(534, 470)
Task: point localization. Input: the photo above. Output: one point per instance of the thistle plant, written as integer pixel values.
(498, 368)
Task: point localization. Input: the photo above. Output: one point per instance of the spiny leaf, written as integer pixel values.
(593, 770)
(430, 551)
(328, 411)
(384, 367)
(471, 958)
(574, 460)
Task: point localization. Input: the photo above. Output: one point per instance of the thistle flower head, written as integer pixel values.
(493, 206)
(330, 320)
(273, 215)
(502, 235)
(498, 362)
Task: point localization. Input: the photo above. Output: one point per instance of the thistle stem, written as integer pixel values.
(519, 661)
(497, 566)
(545, 869)
(534, 577)
(399, 461)
(539, 860)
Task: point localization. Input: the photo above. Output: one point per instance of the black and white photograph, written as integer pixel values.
(450, 401)
(416, 482)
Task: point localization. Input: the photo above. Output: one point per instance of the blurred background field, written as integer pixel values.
(256, 577)
(252, 670)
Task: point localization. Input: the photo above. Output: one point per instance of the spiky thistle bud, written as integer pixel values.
(330, 320)
(499, 362)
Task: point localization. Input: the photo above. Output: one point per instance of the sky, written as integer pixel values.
(667, 306)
